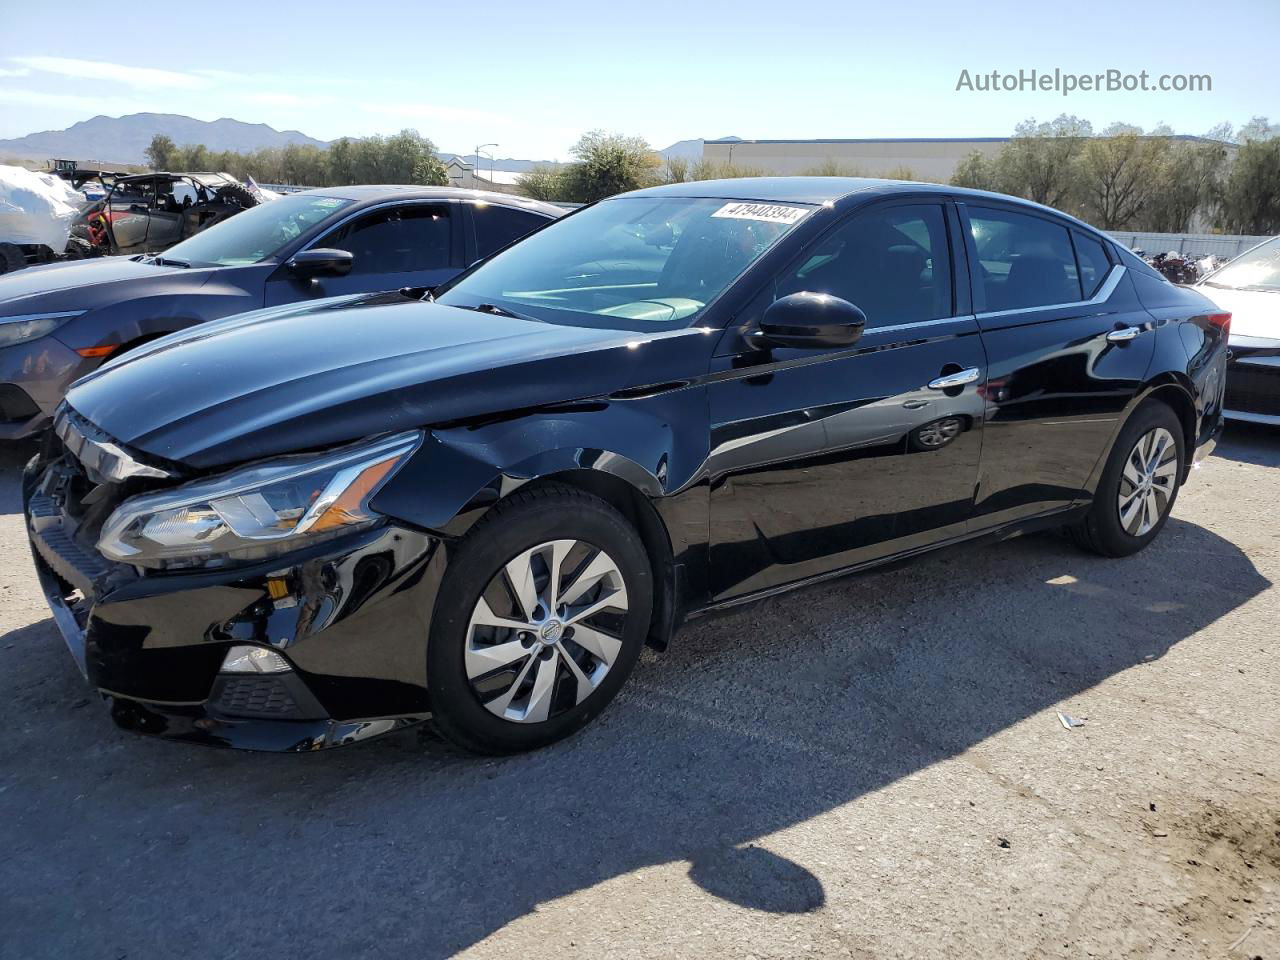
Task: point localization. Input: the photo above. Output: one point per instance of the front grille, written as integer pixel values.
(274, 696)
(1253, 389)
(255, 696)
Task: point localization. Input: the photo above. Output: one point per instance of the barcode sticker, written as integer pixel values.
(765, 212)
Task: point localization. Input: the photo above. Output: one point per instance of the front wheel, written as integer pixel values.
(1138, 486)
(540, 619)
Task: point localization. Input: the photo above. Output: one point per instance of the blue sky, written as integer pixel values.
(534, 75)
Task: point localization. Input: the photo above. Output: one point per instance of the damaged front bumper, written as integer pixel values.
(349, 617)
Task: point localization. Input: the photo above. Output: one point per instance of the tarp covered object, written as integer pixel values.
(36, 208)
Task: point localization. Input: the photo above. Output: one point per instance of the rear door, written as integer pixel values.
(823, 459)
(416, 244)
(1068, 346)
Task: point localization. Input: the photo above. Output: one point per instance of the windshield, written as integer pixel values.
(630, 262)
(1258, 269)
(256, 233)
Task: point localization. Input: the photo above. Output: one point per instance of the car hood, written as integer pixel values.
(82, 284)
(1254, 313)
(305, 377)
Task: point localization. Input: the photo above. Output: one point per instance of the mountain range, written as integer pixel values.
(124, 140)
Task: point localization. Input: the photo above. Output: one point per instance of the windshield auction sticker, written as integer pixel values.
(764, 212)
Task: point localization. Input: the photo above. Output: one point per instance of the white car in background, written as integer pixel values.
(1249, 287)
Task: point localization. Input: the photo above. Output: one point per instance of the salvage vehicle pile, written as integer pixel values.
(47, 217)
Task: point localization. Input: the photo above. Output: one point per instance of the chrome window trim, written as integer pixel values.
(1098, 299)
(899, 327)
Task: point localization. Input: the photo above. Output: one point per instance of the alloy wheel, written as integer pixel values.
(546, 630)
(1148, 481)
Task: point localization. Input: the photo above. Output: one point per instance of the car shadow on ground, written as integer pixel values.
(751, 723)
(1254, 443)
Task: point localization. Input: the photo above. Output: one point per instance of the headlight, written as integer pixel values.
(28, 327)
(255, 512)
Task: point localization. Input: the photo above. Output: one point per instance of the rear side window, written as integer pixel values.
(1023, 261)
(893, 262)
(399, 239)
(498, 226)
(1093, 262)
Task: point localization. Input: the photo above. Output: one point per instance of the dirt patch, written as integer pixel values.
(1231, 860)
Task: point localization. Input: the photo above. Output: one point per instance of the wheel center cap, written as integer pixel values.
(551, 632)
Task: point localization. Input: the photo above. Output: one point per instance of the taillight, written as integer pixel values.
(1222, 321)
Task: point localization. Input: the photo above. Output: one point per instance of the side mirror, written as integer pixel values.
(808, 321)
(319, 262)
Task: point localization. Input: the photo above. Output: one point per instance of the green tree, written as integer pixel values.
(976, 172)
(1189, 175)
(1041, 160)
(544, 182)
(610, 163)
(430, 171)
(1120, 175)
(341, 163)
(160, 153)
(1251, 194)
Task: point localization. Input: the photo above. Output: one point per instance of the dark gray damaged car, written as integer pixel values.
(61, 321)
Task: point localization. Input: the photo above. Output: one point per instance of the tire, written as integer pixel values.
(11, 258)
(1120, 522)
(497, 689)
(237, 194)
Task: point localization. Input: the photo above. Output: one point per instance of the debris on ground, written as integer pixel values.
(1069, 721)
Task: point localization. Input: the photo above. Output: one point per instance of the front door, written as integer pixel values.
(825, 459)
(399, 245)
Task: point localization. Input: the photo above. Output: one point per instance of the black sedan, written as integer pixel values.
(302, 527)
(59, 322)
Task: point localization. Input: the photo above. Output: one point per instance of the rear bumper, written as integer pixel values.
(1208, 442)
(349, 616)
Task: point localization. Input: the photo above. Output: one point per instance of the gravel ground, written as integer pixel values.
(871, 768)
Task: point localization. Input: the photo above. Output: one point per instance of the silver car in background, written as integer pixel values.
(1249, 287)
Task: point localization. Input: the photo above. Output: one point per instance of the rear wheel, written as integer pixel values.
(1139, 484)
(540, 619)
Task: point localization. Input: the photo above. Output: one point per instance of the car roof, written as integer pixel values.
(817, 190)
(373, 193)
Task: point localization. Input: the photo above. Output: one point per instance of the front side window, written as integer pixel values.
(498, 226)
(257, 233)
(1023, 261)
(399, 239)
(893, 263)
(629, 262)
(1258, 269)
